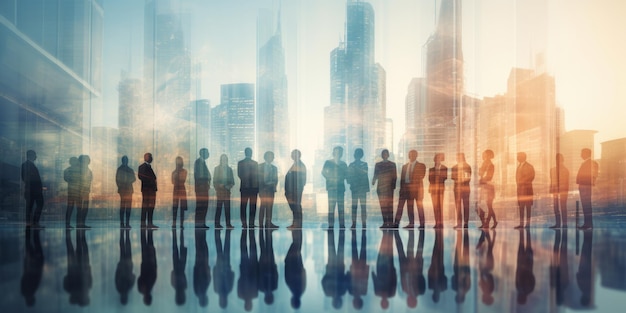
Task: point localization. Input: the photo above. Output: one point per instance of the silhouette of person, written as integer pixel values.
(586, 179)
(179, 177)
(461, 279)
(248, 172)
(559, 188)
(335, 280)
(33, 265)
(148, 191)
(124, 276)
(487, 190)
(248, 282)
(437, 280)
(268, 271)
(524, 177)
(359, 272)
(86, 177)
(386, 174)
(201, 269)
(202, 179)
(295, 273)
(335, 171)
(411, 190)
(461, 175)
(385, 279)
(124, 178)
(33, 189)
(78, 280)
(583, 276)
(71, 175)
(437, 176)
(294, 186)
(178, 279)
(268, 179)
(559, 276)
(223, 275)
(412, 277)
(359, 187)
(486, 265)
(223, 182)
(524, 276)
(148, 273)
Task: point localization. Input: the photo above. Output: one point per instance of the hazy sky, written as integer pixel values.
(582, 42)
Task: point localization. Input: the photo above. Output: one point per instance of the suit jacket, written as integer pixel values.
(415, 186)
(386, 174)
(462, 177)
(437, 178)
(201, 174)
(268, 184)
(147, 177)
(587, 173)
(524, 177)
(124, 178)
(295, 180)
(223, 183)
(248, 172)
(559, 179)
(357, 177)
(335, 174)
(31, 178)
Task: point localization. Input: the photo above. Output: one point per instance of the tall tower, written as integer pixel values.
(232, 122)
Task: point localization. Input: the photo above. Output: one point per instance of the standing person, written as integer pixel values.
(487, 190)
(72, 176)
(461, 174)
(223, 182)
(524, 177)
(268, 179)
(223, 275)
(86, 177)
(411, 190)
(33, 189)
(202, 179)
(359, 186)
(294, 186)
(248, 172)
(386, 175)
(586, 179)
(124, 178)
(559, 188)
(437, 176)
(335, 171)
(359, 271)
(148, 191)
(295, 272)
(179, 177)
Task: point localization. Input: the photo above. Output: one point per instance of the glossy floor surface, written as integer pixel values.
(104, 269)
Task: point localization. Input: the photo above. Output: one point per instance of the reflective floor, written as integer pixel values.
(505, 270)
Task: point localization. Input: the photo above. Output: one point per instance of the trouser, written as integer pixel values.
(72, 201)
(248, 196)
(223, 202)
(32, 217)
(437, 198)
(560, 208)
(125, 205)
(461, 201)
(295, 204)
(83, 207)
(147, 207)
(202, 204)
(265, 209)
(356, 198)
(180, 200)
(385, 198)
(585, 201)
(336, 198)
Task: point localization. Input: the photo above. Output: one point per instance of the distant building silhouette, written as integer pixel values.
(233, 121)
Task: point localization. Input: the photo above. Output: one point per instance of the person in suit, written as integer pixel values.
(124, 276)
(487, 190)
(86, 177)
(437, 176)
(524, 276)
(559, 267)
(586, 179)
(295, 273)
(78, 280)
(33, 266)
(412, 277)
(202, 179)
(335, 280)
(268, 180)
(486, 265)
(248, 172)
(223, 275)
(359, 186)
(386, 175)
(268, 270)
(411, 190)
(294, 186)
(385, 279)
(148, 272)
(71, 175)
(223, 182)
(335, 171)
(178, 278)
(33, 189)
(559, 188)
(179, 177)
(462, 277)
(359, 272)
(148, 191)
(461, 175)
(124, 178)
(437, 280)
(524, 177)
(201, 268)
(248, 282)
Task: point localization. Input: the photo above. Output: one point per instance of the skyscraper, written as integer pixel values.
(232, 121)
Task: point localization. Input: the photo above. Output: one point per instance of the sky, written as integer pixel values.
(581, 41)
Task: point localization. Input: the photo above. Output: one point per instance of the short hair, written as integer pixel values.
(489, 153)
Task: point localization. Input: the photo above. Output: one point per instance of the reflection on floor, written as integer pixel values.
(165, 270)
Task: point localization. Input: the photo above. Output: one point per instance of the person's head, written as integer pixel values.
(488, 154)
(74, 161)
(296, 155)
(31, 155)
(559, 159)
(413, 155)
(268, 156)
(357, 303)
(269, 298)
(204, 153)
(585, 153)
(411, 302)
(384, 303)
(439, 157)
(521, 157)
(295, 302)
(180, 297)
(204, 300)
(124, 160)
(337, 303)
(460, 157)
(337, 152)
(84, 160)
(179, 162)
(384, 154)
(147, 157)
(358, 153)
(223, 160)
(247, 152)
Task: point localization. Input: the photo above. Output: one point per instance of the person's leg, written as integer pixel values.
(227, 211)
(363, 199)
(38, 208)
(253, 199)
(466, 195)
(585, 199)
(30, 201)
(144, 208)
(332, 200)
(242, 208)
(420, 212)
(218, 211)
(355, 204)
(71, 202)
(340, 209)
(563, 207)
(269, 208)
(399, 211)
(457, 204)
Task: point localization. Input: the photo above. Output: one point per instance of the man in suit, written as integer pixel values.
(386, 174)
(248, 172)
(294, 186)
(148, 191)
(586, 179)
(33, 189)
(461, 174)
(268, 179)
(359, 186)
(202, 178)
(437, 176)
(335, 172)
(559, 188)
(524, 177)
(411, 189)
